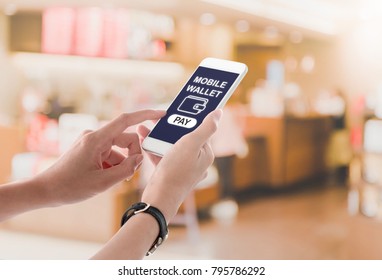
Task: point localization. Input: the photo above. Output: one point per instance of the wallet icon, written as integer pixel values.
(193, 105)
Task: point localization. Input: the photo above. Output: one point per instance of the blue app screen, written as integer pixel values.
(202, 94)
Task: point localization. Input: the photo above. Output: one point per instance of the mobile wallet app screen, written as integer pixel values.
(202, 94)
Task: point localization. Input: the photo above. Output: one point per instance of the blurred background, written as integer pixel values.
(298, 151)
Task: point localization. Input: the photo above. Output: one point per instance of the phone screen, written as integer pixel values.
(202, 94)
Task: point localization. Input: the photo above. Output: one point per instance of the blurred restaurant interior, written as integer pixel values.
(298, 151)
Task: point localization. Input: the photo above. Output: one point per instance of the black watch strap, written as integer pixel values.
(142, 207)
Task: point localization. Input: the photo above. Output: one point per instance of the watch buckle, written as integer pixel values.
(157, 243)
(142, 210)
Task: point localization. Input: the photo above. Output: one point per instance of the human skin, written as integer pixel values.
(93, 165)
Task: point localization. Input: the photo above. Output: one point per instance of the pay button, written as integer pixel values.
(182, 121)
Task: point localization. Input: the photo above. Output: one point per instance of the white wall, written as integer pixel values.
(360, 54)
(351, 62)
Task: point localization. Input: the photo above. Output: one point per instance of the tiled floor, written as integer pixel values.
(304, 223)
(19, 245)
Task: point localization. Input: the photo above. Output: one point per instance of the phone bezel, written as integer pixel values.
(160, 147)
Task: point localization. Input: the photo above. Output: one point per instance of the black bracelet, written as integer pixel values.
(142, 207)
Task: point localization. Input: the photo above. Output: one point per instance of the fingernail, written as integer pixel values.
(138, 162)
(161, 112)
(218, 114)
(138, 159)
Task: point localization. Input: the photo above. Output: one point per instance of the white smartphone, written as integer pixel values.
(208, 88)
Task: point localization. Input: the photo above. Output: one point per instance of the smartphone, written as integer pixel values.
(208, 88)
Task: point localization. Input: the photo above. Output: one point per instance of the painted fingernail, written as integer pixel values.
(106, 165)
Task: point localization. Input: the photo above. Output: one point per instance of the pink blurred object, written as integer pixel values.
(115, 33)
(158, 48)
(89, 31)
(58, 30)
(356, 139)
(42, 135)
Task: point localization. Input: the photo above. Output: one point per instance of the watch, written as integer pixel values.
(142, 207)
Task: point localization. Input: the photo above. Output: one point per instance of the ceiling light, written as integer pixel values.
(271, 32)
(291, 63)
(307, 63)
(295, 37)
(242, 26)
(207, 19)
(10, 9)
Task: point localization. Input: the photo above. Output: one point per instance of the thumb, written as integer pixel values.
(123, 170)
(207, 128)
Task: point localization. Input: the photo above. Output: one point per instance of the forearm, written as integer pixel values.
(22, 196)
(132, 241)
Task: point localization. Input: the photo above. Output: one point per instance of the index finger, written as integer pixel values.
(122, 122)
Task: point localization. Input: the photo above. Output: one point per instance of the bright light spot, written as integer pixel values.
(307, 64)
(10, 9)
(291, 64)
(242, 26)
(295, 37)
(271, 32)
(207, 19)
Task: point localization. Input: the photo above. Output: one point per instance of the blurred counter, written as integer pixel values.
(283, 151)
(11, 143)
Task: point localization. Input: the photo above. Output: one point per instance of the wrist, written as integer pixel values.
(167, 213)
(145, 208)
(167, 197)
(166, 206)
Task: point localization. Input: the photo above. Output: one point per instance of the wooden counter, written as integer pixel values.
(11, 143)
(283, 151)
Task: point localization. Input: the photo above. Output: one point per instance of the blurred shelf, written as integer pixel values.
(44, 65)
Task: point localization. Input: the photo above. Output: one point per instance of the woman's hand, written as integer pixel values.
(93, 164)
(181, 168)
